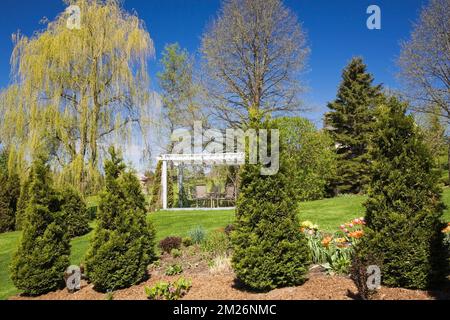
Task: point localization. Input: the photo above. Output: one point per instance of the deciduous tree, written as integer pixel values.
(425, 62)
(253, 54)
(74, 89)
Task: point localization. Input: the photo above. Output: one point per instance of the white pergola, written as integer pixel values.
(226, 159)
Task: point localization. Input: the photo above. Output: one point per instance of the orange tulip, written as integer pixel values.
(326, 241)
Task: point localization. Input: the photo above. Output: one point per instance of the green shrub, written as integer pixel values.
(187, 241)
(197, 234)
(447, 240)
(168, 290)
(176, 253)
(109, 296)
(75, 213)
(22, 203)
(359, 273)
(229, 229)
(173, 270)
(404, 208)
(9, 194)
(92, 213)
(269, 250)
(310, 156)
(216, 243)
(169, 243)
(123, 243)
(43, 255)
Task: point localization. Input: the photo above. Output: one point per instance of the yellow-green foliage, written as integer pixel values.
(73, 89)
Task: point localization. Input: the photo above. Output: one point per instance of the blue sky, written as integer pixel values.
(336, 32)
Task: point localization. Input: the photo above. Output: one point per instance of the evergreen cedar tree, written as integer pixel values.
(75, 212)
(43, 255)
(404, 209)
(9, 194)
(350, 123)
(22, 203)
(123, 244)
(269, 249)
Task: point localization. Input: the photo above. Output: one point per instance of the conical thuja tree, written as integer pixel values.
(22, 203)
(404, 209)
(123, 245)
(76, 215)
(43, 254)
(9, 194)
(269, 249)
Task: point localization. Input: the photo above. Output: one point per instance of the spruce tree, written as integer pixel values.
(123, 244)
(404, 209)
(269, 249)
(75, 212)
(43, 255)
(350, 123)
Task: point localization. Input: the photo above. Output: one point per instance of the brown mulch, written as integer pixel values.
(223, 286)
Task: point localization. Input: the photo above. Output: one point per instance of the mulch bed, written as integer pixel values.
(223, 286)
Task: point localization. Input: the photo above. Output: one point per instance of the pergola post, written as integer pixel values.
(164, 184)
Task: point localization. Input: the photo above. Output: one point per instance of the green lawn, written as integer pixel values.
(328, 214)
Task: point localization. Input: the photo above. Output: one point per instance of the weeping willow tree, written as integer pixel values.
(75, 90)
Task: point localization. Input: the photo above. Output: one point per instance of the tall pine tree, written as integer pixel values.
(123, 245)
(404, 209)
(43, 254)
(350, 123)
